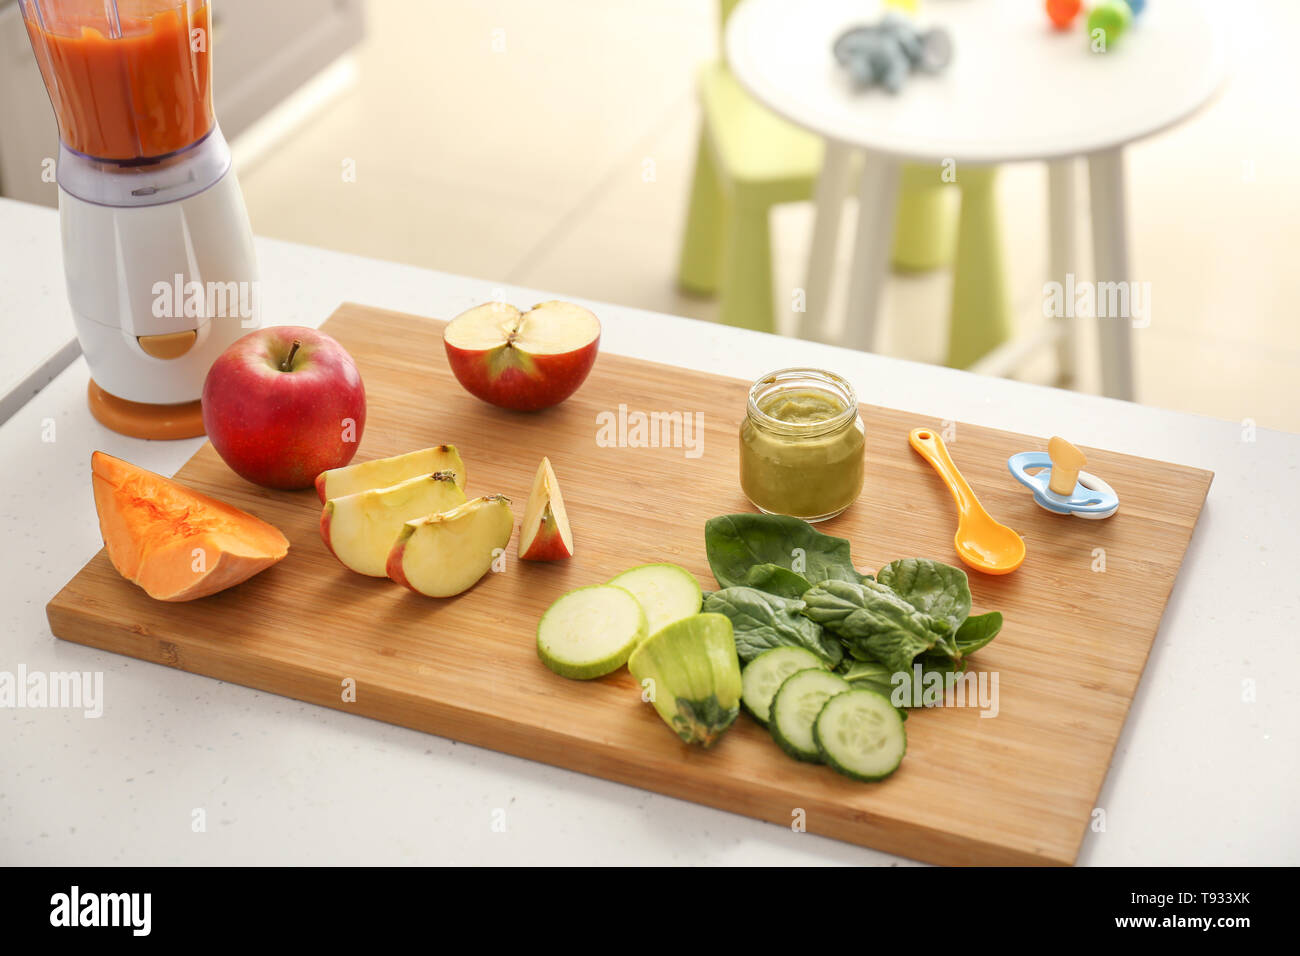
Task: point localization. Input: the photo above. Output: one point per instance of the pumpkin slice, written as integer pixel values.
(176, 543)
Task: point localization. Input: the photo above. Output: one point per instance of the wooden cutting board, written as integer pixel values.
(1016, 788)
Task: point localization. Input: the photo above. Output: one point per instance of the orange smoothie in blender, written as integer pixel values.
(128, 81)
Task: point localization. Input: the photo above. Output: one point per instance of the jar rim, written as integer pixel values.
(797, 376)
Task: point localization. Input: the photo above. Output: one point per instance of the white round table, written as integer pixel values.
(1015, 90)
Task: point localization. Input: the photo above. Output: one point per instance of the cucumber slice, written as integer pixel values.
(861, 734)
(590, 632)
(667, 593)
(765, 674)
(796, 706)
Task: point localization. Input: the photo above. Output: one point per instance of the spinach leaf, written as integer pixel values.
(777, 580)
(871, 674)
(936, 589)
(875, 623)
(762, 621)
(736, 543)
(977, 631)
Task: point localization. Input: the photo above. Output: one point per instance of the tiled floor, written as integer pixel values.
(551, 145)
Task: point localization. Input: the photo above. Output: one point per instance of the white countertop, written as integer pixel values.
(40, 340)
(1200, 775)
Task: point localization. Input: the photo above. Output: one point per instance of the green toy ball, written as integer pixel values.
(1106, 24)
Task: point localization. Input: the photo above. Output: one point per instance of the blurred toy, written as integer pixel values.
(1109, 19)
(886, 53)
(1063, 12)
(1059, 486)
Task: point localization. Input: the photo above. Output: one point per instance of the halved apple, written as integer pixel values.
(382, 472)
(522, 360)
(545, 534)
(360, 529)
(443, 554)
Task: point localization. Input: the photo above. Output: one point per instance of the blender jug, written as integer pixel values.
(157, 249)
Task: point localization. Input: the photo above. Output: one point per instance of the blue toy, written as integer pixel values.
(887, 52)
(1090, 497)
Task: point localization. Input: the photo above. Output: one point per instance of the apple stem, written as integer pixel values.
(287, 364)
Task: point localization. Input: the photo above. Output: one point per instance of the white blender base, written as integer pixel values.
(125, 267)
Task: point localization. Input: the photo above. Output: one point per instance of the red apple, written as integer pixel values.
(283, 404)
(522, 360)
(545, 533)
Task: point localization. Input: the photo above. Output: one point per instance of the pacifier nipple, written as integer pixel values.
(1066, 462)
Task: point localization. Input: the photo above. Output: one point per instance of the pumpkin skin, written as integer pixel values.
(176, 543)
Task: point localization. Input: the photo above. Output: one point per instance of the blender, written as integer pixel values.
(157, 249)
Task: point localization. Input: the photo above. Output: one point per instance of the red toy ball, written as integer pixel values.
(1063, 12)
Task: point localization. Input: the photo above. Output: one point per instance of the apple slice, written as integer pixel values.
(443, 554)
(522, 360)
(545, 533)
(382, 472)
(360, 529)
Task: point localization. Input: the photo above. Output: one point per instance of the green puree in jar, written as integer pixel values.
(801, 454)
(804, 406)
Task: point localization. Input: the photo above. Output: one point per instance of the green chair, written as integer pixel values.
(979, 319)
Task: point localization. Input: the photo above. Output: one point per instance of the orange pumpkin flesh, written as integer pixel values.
(176, 543)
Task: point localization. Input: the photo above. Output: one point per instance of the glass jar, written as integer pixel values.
(801, 444)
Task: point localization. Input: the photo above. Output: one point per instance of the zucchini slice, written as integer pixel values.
(861, 734)
(667, 593)
(590, 632)
(765, 674)
(796, 706)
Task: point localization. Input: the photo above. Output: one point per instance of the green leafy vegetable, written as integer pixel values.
(775, 579)
(977, 631)
(762, 621)
(875, 623)
(872, 674)
(737, 543)
(783, 584)
(933, 588)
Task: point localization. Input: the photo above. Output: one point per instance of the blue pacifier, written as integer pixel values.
(1058, 484)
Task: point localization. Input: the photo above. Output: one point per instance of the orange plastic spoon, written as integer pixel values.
(981, 542)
